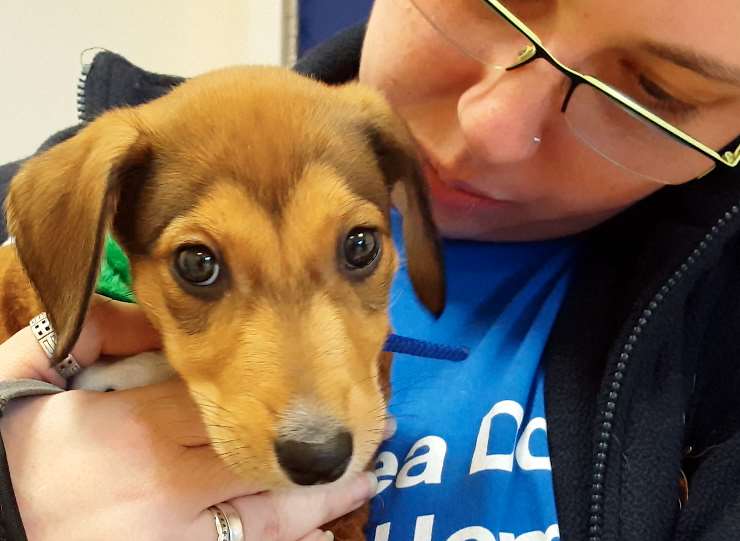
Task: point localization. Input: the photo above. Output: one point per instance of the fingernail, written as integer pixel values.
(328, 535)
(390, 427)
(365, 486)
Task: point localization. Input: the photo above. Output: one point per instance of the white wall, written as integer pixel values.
(41, 42)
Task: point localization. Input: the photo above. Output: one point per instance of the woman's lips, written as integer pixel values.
(455, 194)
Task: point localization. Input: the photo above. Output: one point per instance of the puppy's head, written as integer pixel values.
(254, 205)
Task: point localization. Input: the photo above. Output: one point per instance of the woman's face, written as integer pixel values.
(500, 158)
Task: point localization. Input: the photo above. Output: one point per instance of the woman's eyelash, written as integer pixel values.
(662, 99)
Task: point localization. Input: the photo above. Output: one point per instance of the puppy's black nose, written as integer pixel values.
(315, 463)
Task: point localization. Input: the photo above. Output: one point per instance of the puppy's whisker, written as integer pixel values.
(205, 401)
(226, 427)
(395, 297)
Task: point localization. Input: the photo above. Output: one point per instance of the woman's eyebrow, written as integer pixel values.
(704, 65)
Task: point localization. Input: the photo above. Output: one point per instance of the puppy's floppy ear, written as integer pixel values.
(397, 156)
(59, 208)
(425, 264)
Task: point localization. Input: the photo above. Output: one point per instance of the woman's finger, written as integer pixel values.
(390, 427)
(125, 329)
(292, 514)
(22, 357)
(205, 528)
(318, 535)
(111, 327)
(115, 328)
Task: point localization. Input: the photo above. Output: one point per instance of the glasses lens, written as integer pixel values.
(474, 28)
(630, 141)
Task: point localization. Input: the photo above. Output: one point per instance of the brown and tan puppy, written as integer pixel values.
(254, 205)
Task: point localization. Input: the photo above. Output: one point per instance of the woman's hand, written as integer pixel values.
(111, 328)
(136, 464)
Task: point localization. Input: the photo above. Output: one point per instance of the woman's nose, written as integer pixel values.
(504, 114)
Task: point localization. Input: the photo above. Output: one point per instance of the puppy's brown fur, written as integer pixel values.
(270, 171)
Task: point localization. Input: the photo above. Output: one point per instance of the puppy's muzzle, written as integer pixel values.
(312, 448)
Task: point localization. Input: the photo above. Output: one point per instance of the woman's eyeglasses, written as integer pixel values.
(660, 137)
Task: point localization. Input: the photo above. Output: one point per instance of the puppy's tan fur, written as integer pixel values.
(270, 171)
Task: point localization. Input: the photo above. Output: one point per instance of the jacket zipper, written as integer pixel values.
(81, 81)
(606, 417)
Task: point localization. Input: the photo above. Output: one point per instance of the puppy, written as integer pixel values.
(254, 205)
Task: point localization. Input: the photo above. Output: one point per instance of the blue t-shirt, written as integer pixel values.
(469, 460)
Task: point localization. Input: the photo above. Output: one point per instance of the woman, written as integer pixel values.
(601, 283)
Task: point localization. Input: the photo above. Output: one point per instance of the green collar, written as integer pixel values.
(114, 280)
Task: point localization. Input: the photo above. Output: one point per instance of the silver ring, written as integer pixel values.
(47, 339)
(68, 367)
(228, 522)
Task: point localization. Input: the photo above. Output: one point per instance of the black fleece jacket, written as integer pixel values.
(642, 365)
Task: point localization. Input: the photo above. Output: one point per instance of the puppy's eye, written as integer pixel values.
(359, 251)
(197, 265)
